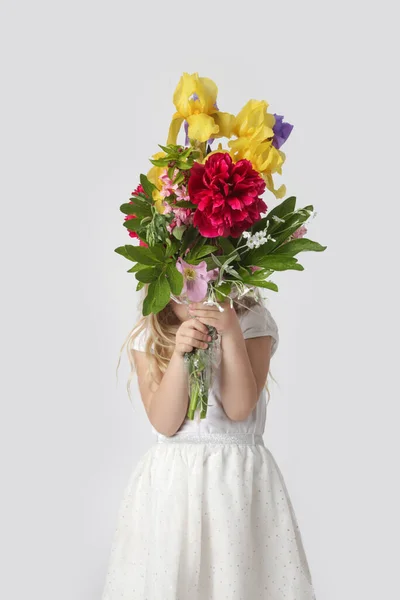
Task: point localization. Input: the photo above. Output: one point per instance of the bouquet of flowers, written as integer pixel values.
(204, 231)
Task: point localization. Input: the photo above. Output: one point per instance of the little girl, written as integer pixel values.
(206, 514)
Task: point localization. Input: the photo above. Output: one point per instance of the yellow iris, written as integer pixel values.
(253, 127)
(253, 122)
(195, 101)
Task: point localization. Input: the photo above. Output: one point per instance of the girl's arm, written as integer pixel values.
(166, 403)
(244, 370)
(244, 363)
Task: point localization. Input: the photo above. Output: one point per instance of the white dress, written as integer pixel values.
(206, 514)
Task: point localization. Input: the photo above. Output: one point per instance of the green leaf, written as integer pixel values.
(165, 149)
(142, 255)
(132, 224)
(175, 279)
(216, 260)
(139, 285)
(284, 208)
(127, 209)
(172, 247)
(285, 230)
(281, 210)
(225, 288)
(178, 232)
(226, 245)
(200, 252)
(270, 285)
(158, 296)
(279, 263)
(159, 162)
(137, 267)
(136, 207)
(123, 252)
(147, 185)
(190, 235)
(185, 204)
(148, 275)
(183, 166)
(293, 247)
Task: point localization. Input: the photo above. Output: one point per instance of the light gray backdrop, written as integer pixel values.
(86, 97)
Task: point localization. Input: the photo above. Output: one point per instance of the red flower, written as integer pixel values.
(133, 234)
(139, 190)
(226, 194)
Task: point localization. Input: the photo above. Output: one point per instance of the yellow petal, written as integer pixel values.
(174, 128)
(186, 87)
(158, 201)
(155, 172)
(280, 192)
(225, 123)
(194, 95)
(207, 92)
(254, 122)
(201, 127)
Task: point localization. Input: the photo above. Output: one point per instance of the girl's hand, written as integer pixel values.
(191, 334)
(210, 315)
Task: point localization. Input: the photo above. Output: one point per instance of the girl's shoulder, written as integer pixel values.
(139, 343)
(256, 321)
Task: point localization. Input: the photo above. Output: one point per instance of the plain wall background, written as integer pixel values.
(86, 97)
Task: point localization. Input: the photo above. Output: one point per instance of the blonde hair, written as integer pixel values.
(162, 328)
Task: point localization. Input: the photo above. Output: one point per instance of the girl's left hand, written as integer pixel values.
(210, 315)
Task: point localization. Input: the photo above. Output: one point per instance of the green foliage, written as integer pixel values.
(147, 185)
(223, 290)
(176, 157)
(148, 275)
(145, 256)
(188, 239)
(155, 265)
(197, 254)
(137, 207)
(175, 279)
(293, 247)
(158, 295)
(280, 263)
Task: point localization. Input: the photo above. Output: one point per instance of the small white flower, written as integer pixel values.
(250, 244)
(246, 234)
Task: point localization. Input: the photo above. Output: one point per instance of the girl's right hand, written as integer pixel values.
(191, 334)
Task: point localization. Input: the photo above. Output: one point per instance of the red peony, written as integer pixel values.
(133, 234)
(226, 194)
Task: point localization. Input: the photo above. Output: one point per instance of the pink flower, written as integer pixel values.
(182, 216)
(182, 193)
(255, 268)
(167, 207)
(168, 187)
(133, 234)
(195, 279)
(299, 233)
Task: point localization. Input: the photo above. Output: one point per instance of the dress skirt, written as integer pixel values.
(207, 518)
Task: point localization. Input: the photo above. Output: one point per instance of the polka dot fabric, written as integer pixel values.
(206, 516)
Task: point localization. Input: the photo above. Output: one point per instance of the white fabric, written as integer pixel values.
(206, 514)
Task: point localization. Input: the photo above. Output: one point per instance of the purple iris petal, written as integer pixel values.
(281, 130)
(186, 128)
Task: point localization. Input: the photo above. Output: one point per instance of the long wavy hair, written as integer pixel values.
(162, 329)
